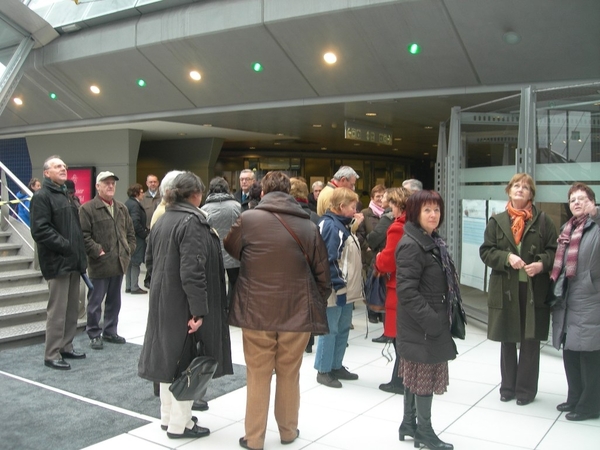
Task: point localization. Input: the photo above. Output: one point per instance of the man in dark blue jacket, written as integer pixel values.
(56, 230)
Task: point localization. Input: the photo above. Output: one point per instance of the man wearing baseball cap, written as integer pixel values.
(109, 239)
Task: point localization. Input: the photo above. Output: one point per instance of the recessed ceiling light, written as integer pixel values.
(330, 58)
(397, 139)
(252, 148)
(426, 153)
(371, 114)
(414, 48)
(434, 145)
(279, 134)
(141, 83)
(316, 125)
(277, 143)
(428, 127)
(95, 89)
(195, 75)
(323, 148)
(181, 134)
(356, 144)
(52, 95)
(395, 149)
(207, 124)
(18, 101)
(511, 37)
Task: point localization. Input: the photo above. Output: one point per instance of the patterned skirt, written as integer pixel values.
(424, 379)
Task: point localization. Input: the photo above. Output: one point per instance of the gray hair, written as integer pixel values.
(167, 182)
(412, 185)
(248, 171)
(346, 172)
(317, 184)
(46, 166)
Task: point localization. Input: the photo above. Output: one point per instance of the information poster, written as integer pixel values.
(474, 217)
(85, 181)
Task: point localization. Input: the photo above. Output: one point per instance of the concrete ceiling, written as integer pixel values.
(464, 61)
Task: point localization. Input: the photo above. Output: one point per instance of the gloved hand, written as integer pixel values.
(340, 299)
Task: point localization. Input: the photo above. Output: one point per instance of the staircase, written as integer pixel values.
(23, 290)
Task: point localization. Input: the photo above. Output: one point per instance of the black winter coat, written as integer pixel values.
(188, 279)
(57, 232)
(423, 327)
(138, 217)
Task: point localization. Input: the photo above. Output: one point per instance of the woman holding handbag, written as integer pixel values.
(187, 296)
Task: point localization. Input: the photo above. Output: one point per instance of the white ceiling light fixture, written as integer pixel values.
(95, 89)
(195, 75)
(511, 37)
(330, 58)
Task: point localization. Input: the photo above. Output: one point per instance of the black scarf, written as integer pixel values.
(451, 276)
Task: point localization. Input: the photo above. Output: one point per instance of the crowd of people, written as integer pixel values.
(330, 245)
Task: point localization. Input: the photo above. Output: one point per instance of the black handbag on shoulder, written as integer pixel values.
(193, 381)
(459, 320)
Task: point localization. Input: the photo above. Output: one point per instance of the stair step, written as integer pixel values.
(11, 248)
(16, 262)
(22, 331)
(25, 309)
(22, 292)
(14, 275)
(5, 235)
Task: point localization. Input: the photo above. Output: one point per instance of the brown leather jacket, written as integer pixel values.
(276, 289)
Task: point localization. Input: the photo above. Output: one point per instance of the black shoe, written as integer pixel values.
(291, 441)
(327, 379)
(308, 349)
(139, 292)
(577, 417)
(382, 339)
(164, 427)
(96, 343)
(392, 388)
(523, 401)
(200, 405)
(127, 291)
(565, 407)
(373, 320)
(58, 364)
(72, 355)
(343, 374)
(244, 444)
(113, 338)
(506, 398)
(195, 432)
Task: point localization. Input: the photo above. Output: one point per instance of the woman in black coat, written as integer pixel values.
(187, 296)
(425, 282)
(138, 217)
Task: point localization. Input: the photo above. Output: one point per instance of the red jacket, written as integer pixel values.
(386, 263)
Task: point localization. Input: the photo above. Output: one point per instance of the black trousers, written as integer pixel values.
(520, 372)
(583, 378)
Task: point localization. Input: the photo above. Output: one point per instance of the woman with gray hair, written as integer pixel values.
(187, 296)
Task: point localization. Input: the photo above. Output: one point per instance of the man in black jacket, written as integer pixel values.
(56, 230)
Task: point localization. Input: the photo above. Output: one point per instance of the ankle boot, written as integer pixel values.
(409, 421)
(425, 434)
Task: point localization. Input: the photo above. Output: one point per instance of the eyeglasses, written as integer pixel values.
(580, 199)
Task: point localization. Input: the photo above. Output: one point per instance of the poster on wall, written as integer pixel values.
(472, 271)
(85, 182)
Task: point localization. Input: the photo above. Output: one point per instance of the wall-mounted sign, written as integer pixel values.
(85, 182)
(359, 131)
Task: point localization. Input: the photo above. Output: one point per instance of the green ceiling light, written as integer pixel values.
(141, 83)
(257, 67)
(414, 49)
(52, 95)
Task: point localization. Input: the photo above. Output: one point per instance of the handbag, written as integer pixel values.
(193, 381)
(557, 290)
(375, 291)
(459, 320)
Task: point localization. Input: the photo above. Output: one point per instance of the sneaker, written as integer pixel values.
(327, 379)
(343, 374)
(113, 338)
(96, 343)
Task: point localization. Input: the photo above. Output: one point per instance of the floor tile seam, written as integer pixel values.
(81, 398)
(447, 436)
(148, 440)
(547, 431)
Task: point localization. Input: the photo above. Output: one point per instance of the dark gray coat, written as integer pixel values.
(576, 319)
(423, 327)
(101, 231)
(538, 244)
(187, 279)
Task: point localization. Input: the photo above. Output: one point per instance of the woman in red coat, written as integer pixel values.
(385, 264)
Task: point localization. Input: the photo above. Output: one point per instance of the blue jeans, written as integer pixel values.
(332, 347)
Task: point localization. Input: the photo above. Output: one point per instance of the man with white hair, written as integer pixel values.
(412, 185)
(346, 177)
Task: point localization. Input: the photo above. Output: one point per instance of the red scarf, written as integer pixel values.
(519, 218)
(568, 242)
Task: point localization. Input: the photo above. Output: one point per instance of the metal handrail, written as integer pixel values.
(5, 208)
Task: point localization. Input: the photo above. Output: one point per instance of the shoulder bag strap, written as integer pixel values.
(293, 235)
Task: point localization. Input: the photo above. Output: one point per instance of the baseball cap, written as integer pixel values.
(104, 175)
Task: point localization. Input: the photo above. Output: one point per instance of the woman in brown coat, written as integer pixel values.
(519, 246)
(280, 297)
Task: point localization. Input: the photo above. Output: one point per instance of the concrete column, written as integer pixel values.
(196, 155)
(115, 150)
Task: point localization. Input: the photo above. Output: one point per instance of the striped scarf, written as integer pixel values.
(568, 242)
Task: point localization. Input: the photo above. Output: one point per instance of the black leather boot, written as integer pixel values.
(409, 421)
(395, 386)
(425, 434)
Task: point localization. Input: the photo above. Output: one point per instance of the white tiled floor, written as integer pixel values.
(360, 416)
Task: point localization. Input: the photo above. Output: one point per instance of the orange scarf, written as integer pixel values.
(519, 218)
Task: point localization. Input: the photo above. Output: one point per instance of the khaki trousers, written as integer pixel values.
(62, 313)
(265, 351)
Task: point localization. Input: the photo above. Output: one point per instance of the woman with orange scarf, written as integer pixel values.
(519, 247)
